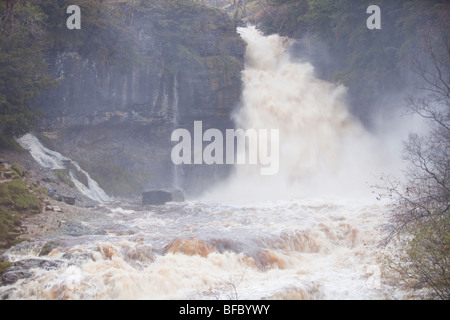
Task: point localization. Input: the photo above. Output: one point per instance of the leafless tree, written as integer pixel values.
(421, 206)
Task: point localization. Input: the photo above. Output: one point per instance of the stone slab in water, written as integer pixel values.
(162, 196)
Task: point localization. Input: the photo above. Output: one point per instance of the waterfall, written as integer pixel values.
(175, 101)
(53, 160)
(281, 92)
(175, 111)
(323, 149)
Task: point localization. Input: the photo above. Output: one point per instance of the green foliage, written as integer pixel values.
(5, 197)
(4, 265)
(366, 60)
(48, 247)
(8, 143)
(11, 175)
(18, 169)
(9, 226)
(226, 68)
(421, 257)
(22, 198)
(17, 199)
(104, 35)
(186, 30)
(22, 68)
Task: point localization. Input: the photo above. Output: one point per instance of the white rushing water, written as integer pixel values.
(311, 232)
(53, 160)
(323, 148)
(300, 249)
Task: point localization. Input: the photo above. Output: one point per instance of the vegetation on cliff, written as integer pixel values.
(23, 72)
(421, 202)
(189, 31)
(31, 30)
(18, 198)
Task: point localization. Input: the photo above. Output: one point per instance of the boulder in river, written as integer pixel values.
(66, 199)
(162, 196)
(69, 200)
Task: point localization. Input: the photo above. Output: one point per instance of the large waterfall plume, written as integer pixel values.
(323, 148)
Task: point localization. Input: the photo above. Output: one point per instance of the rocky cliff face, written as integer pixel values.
(117, 120)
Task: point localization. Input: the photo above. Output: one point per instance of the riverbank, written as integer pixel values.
(34, 201)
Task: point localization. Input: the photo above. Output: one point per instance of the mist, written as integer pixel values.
(325, 149)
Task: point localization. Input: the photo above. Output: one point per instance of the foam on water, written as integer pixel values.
(316, 249)
(53, 160)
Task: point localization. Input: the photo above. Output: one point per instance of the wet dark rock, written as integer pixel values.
(51, 191)
(48, 247)
(37, 263)
(77, 259)
(11, 277)
(77, 229)
(25, 248)
(156, 197)
(65, 199)
(23, 269)
(69, 200)
(160, 197)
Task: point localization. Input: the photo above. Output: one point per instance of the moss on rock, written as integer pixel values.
(4, 265)
(116, 179)
(23, 199)
(18, 169)
(9, 227)
(63, 176)
(17, 199)
(5, 197)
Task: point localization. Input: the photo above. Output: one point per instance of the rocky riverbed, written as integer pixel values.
(69, 221)
(49, 179)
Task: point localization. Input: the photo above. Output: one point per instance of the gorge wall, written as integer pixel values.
(116, 118)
